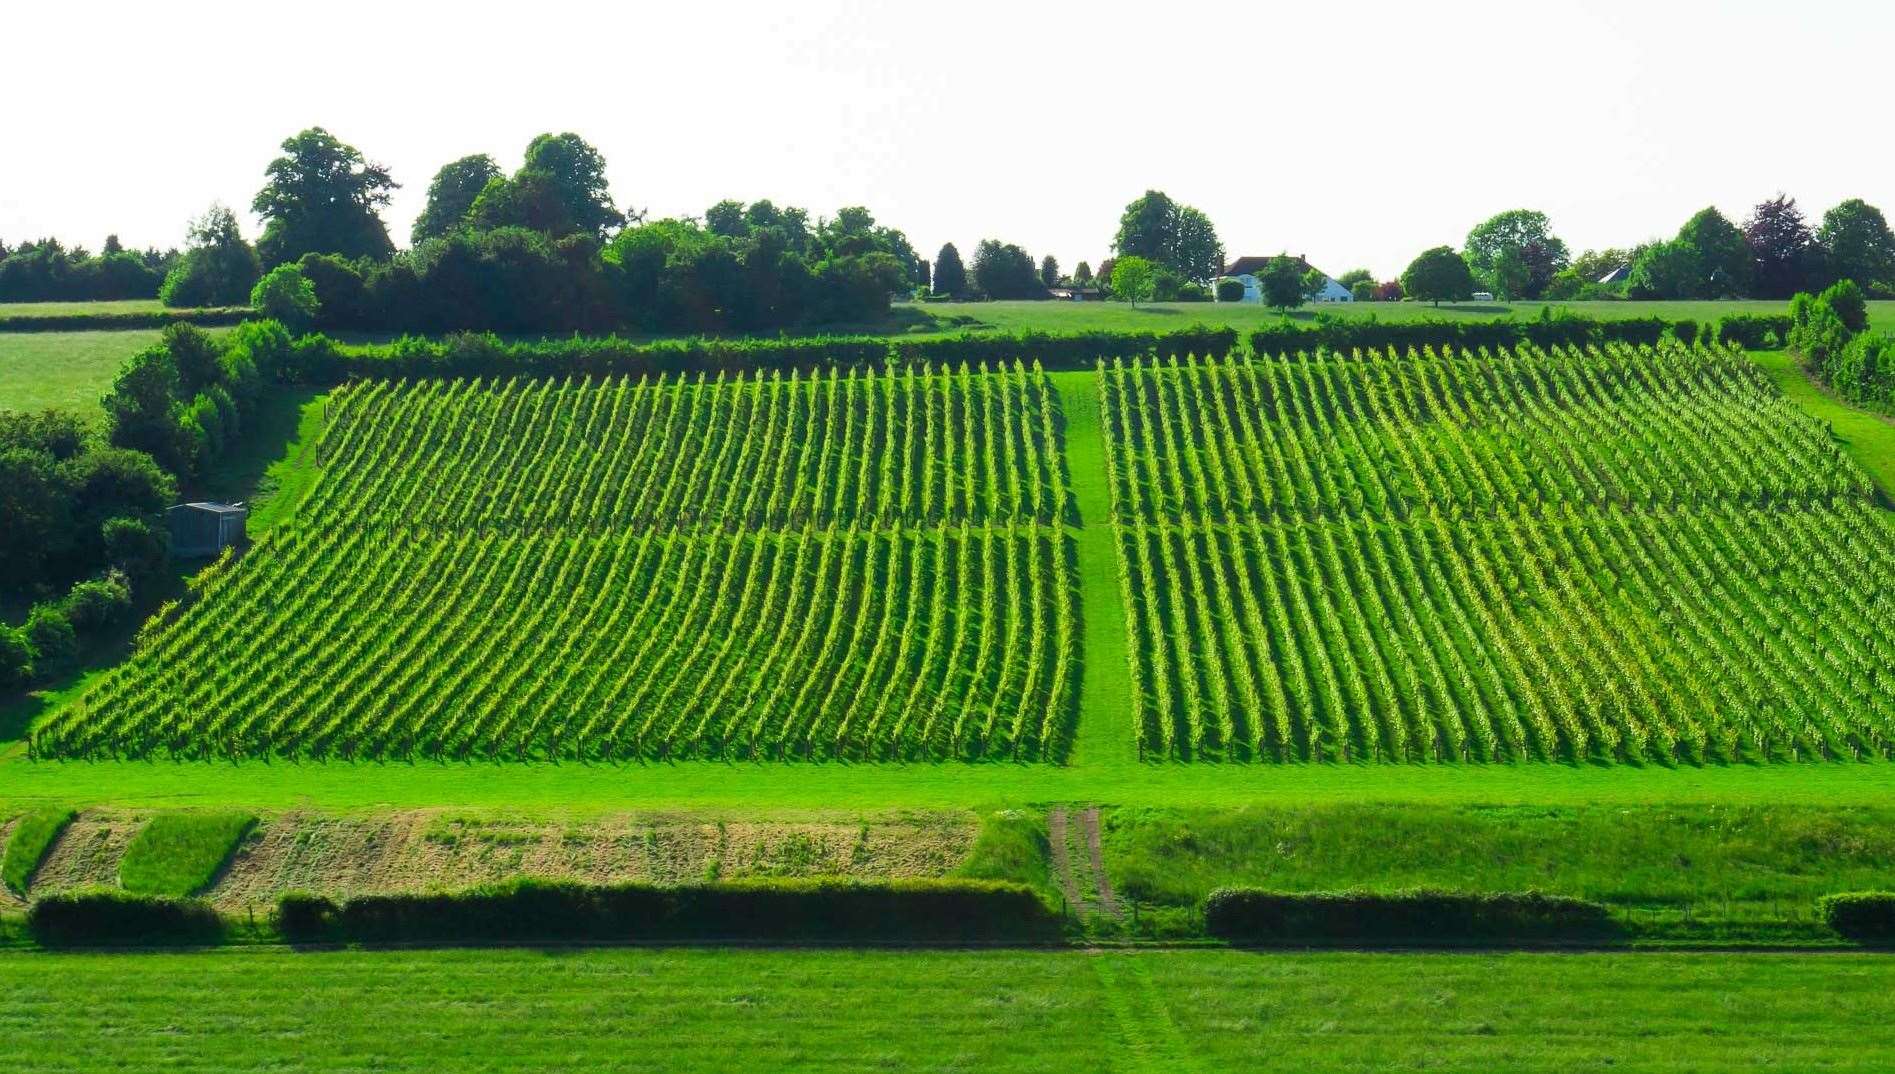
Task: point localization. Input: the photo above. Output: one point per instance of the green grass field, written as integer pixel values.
(713, 1010)
(59, 309)
(64, 370)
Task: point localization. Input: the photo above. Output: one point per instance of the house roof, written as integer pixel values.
(1252, 263)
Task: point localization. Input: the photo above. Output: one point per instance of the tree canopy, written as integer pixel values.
(322, 197)
(1708, 259)
(1857, 245)
(950, 276)
(1783, 252)
(1438, 275)
(1003, 270)
(1170, 235)
(1133, 278)
(218, 269)
(561, 190)
(1515, 253)
(451, 196)
(1285, 283)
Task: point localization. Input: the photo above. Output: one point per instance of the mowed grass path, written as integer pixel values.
(713, 1010)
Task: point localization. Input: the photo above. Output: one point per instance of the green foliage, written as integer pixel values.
(98, 604)
(1133, 278)
(286, 296)
(51, 634)
(800, 910)
(1784, 254)
(180, 853)
(1708, 259)
(17, 658)
(1516, 253)
(1438, 275)
(105, 917)
(451, 196)
(1754, 331)
(1863, 916)
(1284, 283)
(47, 271)
(219, 269)
(1363, 291)
(32, 837)
(1348, 334)
(1857, 244)
(1003, 270)
(1167, 234)
(322, 197)
(1845, 299)
(1252, 915)
(1049, 271)
(1012, 846)
(1230, 289)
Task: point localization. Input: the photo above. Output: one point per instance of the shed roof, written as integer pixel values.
(214, 508)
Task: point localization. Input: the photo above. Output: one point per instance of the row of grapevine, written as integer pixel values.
(957, 642)
(1616, 554)
(770, 451)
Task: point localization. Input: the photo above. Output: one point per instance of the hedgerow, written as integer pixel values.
(1252, 915)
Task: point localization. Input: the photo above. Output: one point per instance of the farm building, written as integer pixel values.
(204, 529)
(1245, 269)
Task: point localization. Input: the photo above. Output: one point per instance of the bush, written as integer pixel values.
(1863, 916)
(786, 910)
(1845, 298)
(1366, 333)
(1251, 915)
(98, 603)
(106, 916)
(180, 853)
(1685, 330)
(16, 658)
(1754, 331)
(133, 548)
(32, 838)
(284, 294)
(51, 634)
(1230, 289)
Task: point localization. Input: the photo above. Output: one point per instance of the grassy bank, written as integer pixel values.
(688, 1010)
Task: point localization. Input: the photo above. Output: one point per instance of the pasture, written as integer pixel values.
(686, 1010)
(69, 371)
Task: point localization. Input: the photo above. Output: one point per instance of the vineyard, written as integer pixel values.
(861, 567)
(1617, 553)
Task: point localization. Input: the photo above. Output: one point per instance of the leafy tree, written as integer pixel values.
(142, 411)
(322, 197)
(1284, 282)
(1003, 270)
(451, 196)
(576, 173)
(1177, 237)
(219, 269)
(1230, 289)
(529, 201)
(16, 658)
(1708, 259)
(1133, 278)
(1845, 299)
(1354, 276)
(1049, 271)
(1857, 245)
(51, 633)
(1362, 290)
(1438, 275)
(97, 603)
(1083, 274)
(132, 546)
(1516, 253)
(726, 218)
(1783, 253)
(1594, 265)
(285, 294)
(950, 277)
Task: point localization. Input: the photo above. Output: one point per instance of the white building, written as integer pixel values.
(1245, 269)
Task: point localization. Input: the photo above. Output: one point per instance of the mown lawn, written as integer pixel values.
(715, 1010)
(65, 370)
(9, 310)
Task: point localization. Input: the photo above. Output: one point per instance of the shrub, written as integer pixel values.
(284, 294)
(1845, 298)
(1862, 916)
(32, 838)
(133, 548)
(106, 916)
(1685, 330)
(1754, 331)
(98, 603)
(180, 853)
(1251, 915)
(1367, 333)
(1230, 289)
(16, 658)
(799, 910)
(51, 633)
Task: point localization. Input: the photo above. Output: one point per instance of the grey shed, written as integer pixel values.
(204, 529)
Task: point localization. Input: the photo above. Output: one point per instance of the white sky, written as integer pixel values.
(1357, 133)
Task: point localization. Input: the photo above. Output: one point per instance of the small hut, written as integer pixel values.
(204, 529)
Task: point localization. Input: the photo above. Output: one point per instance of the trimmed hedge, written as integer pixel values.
(1755, 331)
(1349, 334)
(776, 910)
(1252, 915)
(215, 317)
(1863, 916)
(109, 916)
(318, 359)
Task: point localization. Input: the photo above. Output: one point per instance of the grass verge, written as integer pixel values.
(31, 839)
(179, 854)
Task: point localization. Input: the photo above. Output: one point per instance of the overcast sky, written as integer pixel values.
(1357, 133)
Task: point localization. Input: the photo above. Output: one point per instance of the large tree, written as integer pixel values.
(1003, 270)
(576, 172)
(1285, 283)
(1170, 235)
(1708, 259)
(1516, 253)
(451, 196)
(322, 197)
(1438, 275)
(1782, 251)
(950, 276)
(219, 269)
(1049, 271)
(1857, 245)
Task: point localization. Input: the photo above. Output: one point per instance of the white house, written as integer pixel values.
(1246, 269)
